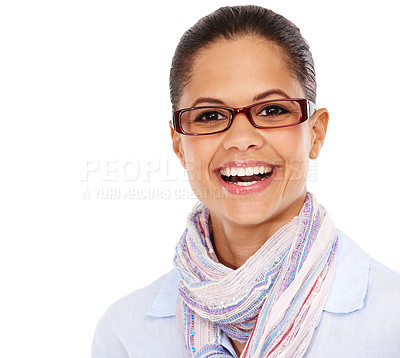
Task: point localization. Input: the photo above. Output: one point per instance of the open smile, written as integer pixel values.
(245, 177)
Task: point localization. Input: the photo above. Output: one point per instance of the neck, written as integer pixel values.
(234, 243)
(237, 346)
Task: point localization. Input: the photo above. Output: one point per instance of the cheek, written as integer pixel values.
(293, 148)
(197, 155)
(192, 150)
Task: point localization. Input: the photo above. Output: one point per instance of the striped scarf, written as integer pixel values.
(273, 301)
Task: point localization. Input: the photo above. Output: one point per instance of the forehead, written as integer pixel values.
(234, 71)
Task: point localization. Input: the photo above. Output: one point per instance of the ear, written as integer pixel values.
(319, 126)
(177, 145)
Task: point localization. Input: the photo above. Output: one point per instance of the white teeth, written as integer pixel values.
(248, 171)
(245, 183)
(241, 172)
(266, 170)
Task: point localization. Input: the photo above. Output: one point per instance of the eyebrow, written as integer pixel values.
(207, 100)
(269, 93)
(256, 98)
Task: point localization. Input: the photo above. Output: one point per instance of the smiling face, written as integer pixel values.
(247, 176)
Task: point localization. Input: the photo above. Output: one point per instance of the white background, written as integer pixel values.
(82, 85)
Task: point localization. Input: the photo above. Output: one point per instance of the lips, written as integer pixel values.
(244, 177)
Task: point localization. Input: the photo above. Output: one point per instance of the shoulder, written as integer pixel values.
(141, 324)
(363, 275)
(132, 308)
(385, 275)
(384, 290)
(120, 320)
(362, 316)
(360, 266)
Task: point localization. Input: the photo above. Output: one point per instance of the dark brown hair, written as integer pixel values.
(238, 21)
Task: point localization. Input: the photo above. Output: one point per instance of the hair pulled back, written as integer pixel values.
(238, 21)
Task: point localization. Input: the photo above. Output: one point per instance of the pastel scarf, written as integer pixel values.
(273, 301)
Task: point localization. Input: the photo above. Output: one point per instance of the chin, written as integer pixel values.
(245, 212)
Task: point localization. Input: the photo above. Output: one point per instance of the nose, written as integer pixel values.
(242, 135)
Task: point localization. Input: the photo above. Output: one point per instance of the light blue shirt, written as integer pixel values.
(361, 318)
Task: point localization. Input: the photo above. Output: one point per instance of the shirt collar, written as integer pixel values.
(347, 294)
(164, 304)
(350, 283)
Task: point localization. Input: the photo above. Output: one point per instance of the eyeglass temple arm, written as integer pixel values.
(311, 108)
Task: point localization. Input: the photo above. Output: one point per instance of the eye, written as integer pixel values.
(210, 116)
(272, 110)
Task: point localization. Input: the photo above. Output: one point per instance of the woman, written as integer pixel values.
(261, 270)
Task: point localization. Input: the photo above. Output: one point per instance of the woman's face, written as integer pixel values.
(237, 73)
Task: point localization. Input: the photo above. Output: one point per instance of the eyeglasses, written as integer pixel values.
(278, 113)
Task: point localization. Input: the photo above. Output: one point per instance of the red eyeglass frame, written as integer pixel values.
(307, 110)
